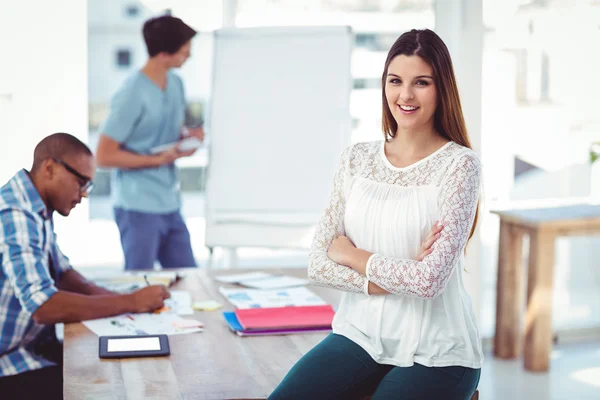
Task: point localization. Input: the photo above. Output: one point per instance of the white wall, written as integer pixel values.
(461, 28)
(44, 74)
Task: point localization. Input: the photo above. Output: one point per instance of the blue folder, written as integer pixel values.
(232, 321)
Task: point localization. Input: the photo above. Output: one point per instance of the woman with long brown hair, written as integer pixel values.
(405, 328)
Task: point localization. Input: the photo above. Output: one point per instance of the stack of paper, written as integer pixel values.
(123, 282)
(262, 280)
(271, 305)
(256, 298)
(280, 320)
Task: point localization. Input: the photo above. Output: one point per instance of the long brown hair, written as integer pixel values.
(448, 119)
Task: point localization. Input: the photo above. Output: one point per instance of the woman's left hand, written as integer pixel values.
(340, 249)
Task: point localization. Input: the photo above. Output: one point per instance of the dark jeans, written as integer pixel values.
(147, 237)
(338, 368)
(45, 383)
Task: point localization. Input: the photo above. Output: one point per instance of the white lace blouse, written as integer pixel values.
(388, 211)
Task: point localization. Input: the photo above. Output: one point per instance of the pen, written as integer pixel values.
(146, 279)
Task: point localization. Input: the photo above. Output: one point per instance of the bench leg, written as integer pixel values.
(538, 318)
(507, 339)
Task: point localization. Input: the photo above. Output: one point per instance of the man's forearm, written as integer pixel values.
(74, 307)
(119, 158)
(73, 281)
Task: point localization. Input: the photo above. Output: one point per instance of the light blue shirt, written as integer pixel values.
(143, 116)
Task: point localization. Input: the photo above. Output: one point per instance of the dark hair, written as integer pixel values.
(166, 34)
(58, 146)
(448, 119)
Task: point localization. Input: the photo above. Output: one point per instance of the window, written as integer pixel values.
(367, 83)
(123, 58)
(367, 40)
(132, 11)
(545, 84)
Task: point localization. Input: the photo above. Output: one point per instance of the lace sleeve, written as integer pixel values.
(321, 270)
(457, 204)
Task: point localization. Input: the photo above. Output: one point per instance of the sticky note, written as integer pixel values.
(206, 305)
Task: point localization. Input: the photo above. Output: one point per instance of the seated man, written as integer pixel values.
(38, 287)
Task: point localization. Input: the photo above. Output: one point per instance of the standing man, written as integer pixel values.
(147, 111)
(38, 286)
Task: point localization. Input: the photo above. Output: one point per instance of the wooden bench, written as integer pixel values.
(543, 223)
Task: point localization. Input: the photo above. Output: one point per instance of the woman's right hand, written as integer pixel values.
(427, 245)
(426, 249)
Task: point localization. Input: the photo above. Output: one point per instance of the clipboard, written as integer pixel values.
(189, 143)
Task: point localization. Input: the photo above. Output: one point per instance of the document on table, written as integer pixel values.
(143, 324)
(275, 282)
(166, 320)
(128, 281)
(247, 276)
(262, 280)
(179, 303)
(256, 298)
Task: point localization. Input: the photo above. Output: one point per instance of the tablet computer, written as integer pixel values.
(134, 346)
(188, 143)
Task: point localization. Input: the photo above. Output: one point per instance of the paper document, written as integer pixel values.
(179, 303)
(256, 298)
(248, 276)
(142, 324)
(262, 280)
(275, 282)
(126, 281)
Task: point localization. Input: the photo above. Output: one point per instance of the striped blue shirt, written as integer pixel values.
(27, 244)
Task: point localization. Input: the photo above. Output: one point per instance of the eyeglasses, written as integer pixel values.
(87, 186)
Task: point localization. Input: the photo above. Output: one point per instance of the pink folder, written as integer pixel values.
(285, 317)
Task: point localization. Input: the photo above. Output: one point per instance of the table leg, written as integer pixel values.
(538, 319)
(508, 295)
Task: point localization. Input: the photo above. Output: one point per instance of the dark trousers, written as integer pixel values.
(338, 368)
(147, 237)
(45, 383)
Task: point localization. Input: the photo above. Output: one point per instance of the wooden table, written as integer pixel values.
(214, 364)
(543, 225)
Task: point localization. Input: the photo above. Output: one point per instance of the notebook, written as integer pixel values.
(285, 317)
(235, 326)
